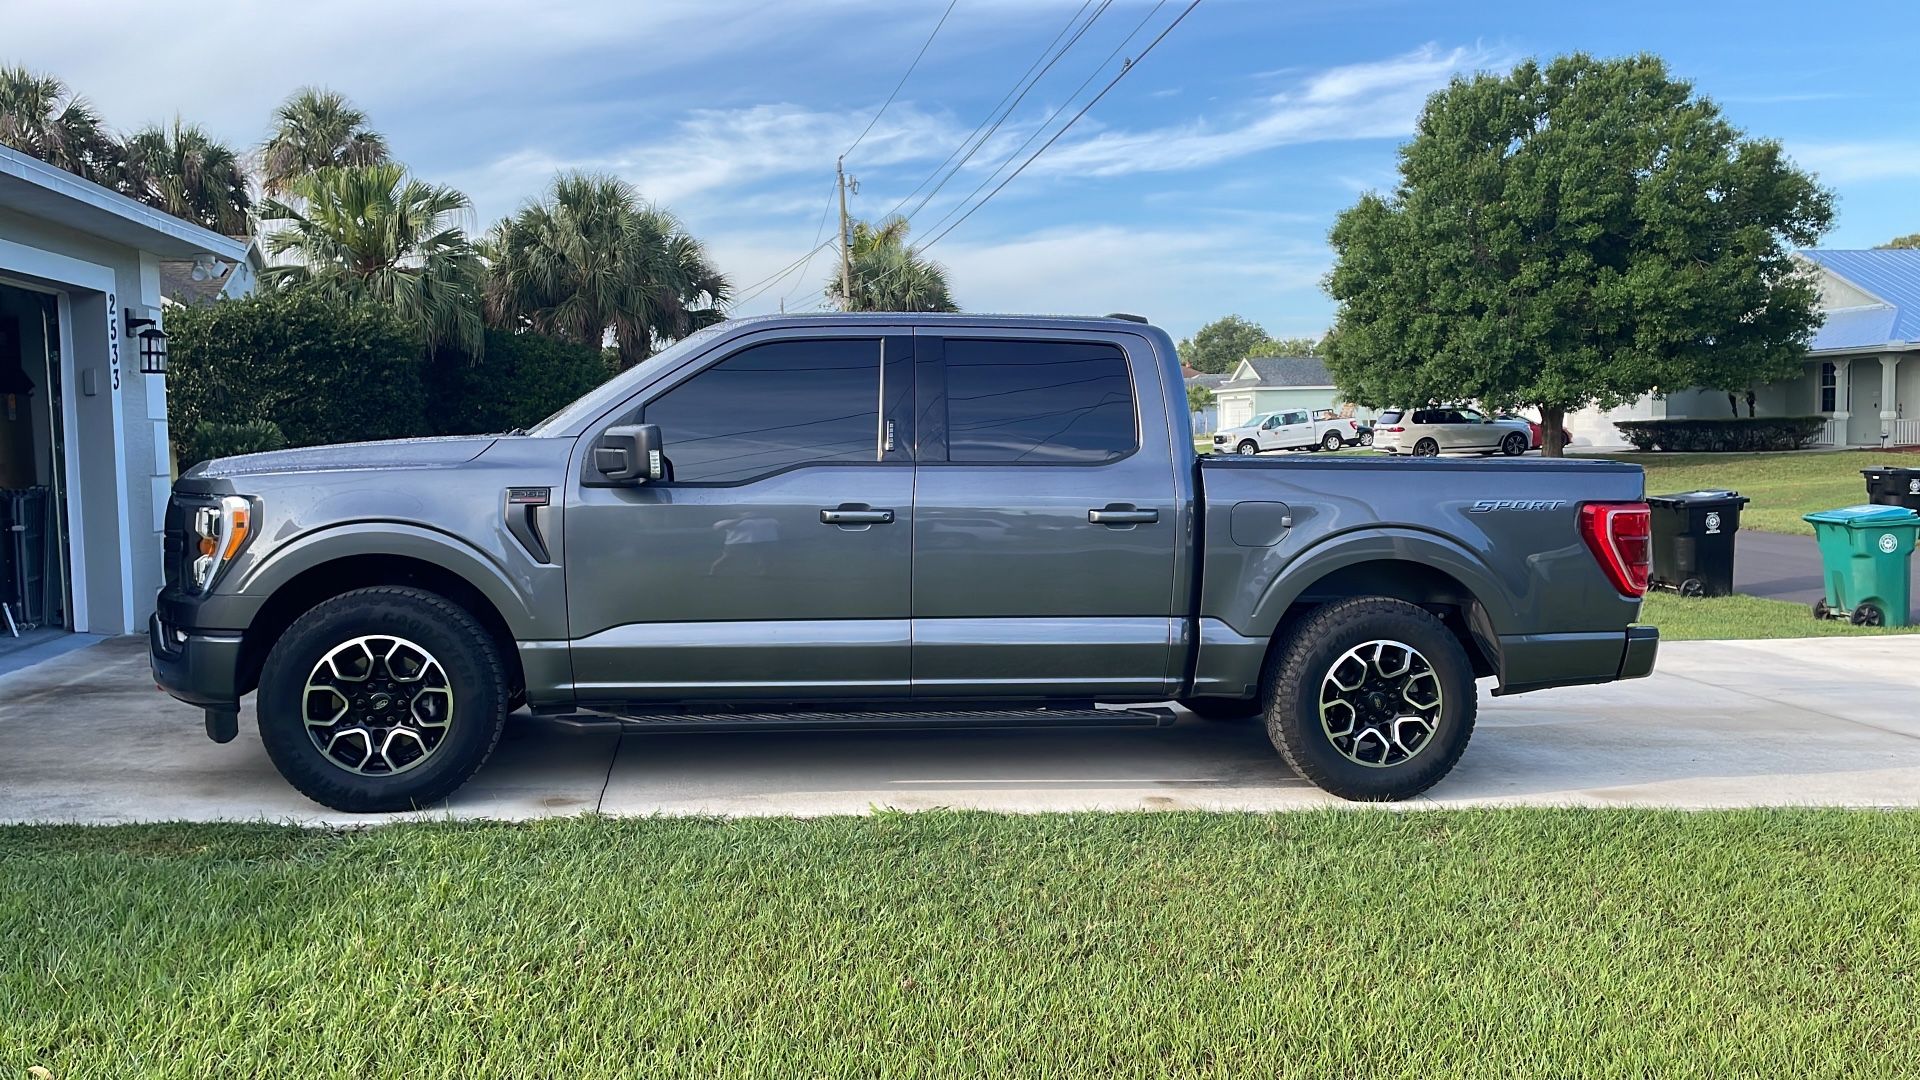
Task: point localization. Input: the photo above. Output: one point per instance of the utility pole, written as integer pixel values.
(846, 237)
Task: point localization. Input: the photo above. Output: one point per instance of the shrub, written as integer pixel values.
(522, 378)
(321, 370)
(214, 439)
(1723, 435)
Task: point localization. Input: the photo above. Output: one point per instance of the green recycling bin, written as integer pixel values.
(1864, 551)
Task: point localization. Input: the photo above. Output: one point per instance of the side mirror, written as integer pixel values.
(629, 454)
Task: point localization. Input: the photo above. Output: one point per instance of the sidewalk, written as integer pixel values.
(86, 738)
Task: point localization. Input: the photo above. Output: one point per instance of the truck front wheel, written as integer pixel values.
(1372, 700)
(382, 699)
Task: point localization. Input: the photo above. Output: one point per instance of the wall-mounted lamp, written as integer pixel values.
(153, 343)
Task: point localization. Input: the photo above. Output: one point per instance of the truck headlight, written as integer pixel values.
(216, 535)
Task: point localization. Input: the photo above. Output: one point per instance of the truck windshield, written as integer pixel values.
(610, 392)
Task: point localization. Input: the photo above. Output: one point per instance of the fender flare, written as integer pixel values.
(396, 538)
(1374, 544)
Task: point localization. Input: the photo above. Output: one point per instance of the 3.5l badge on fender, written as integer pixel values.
(1488, 506)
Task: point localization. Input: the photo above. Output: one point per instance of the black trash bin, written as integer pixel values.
(1892, 485)
(1693, 541)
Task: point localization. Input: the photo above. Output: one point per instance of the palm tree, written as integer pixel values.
(890, 276)
(592, 257)
(41, 117)
(371, 232)
(183, 171)
(316, 129)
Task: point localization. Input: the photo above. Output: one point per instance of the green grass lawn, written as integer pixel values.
(1782, 486)
(1730, 617)
(1418, 945)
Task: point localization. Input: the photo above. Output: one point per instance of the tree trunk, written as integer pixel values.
(1553, 423)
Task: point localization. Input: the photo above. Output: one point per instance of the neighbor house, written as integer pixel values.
(1207, 416)
(1264, 384)
(1853, 374)
(85, 467)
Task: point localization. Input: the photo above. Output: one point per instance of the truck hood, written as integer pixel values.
(344, 457)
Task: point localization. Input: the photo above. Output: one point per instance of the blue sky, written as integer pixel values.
(1204, 183)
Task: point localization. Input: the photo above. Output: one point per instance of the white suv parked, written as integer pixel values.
(1426, 432)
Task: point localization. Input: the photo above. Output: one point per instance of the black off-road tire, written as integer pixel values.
(1222, 710)
(1291, 684)
(474, 670)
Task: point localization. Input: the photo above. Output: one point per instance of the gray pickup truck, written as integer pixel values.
(845, 520)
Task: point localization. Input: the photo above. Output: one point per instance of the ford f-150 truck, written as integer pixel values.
(840, 520)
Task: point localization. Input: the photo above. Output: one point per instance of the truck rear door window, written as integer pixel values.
(1038, 402)
(771, 407)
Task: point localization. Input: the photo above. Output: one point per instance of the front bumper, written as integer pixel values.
(1539, 661)
(199, 667)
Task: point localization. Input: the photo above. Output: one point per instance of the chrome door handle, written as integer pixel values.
(1122, 514)
(848, 515)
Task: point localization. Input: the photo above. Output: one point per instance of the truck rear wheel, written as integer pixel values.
(1372, 700)
(382, 699)
(1332, 442)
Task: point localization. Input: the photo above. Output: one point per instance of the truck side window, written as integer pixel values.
(771, 407)
(1038, 402)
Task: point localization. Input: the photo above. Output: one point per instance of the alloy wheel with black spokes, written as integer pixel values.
(383, 698)
(1426, 448)
(1380, 703)
(1370, 698)
(378, 705)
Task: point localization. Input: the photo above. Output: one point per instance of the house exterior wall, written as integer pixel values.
(116, 438)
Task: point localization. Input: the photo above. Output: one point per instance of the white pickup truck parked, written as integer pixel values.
(1292, 429)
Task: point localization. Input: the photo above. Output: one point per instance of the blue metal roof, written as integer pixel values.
(1893, 275)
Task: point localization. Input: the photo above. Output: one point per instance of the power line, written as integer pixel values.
(903, 78)
(1127, 67)
(758, 287)
(818, 231)
(975, 140)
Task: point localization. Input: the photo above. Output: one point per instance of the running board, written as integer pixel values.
(871, 720)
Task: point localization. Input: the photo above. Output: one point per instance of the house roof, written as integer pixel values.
(33, 187)
(1891, 276)
(1275, 372)
(1211, 382)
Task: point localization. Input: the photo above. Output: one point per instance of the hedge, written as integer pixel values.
(1723, 435)
(320, 370)
(290, 368)
(523, 378)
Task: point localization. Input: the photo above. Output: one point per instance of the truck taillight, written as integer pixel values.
(1620, 535)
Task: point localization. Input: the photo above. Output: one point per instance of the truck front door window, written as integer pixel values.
(772, 407)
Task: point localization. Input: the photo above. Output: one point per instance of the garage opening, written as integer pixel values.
(35, 582)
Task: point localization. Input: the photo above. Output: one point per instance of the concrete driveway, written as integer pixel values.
(86, 738)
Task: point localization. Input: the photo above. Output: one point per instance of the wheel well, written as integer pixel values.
(1417, 583)
(330, 579)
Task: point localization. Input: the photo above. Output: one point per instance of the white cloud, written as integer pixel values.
(1379, 99)
(1857, 162)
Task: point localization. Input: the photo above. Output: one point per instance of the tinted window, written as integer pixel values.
(771, 407)
(1391, 416)
(1037, 402)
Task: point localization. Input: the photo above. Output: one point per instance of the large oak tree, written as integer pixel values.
(1573, 233)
